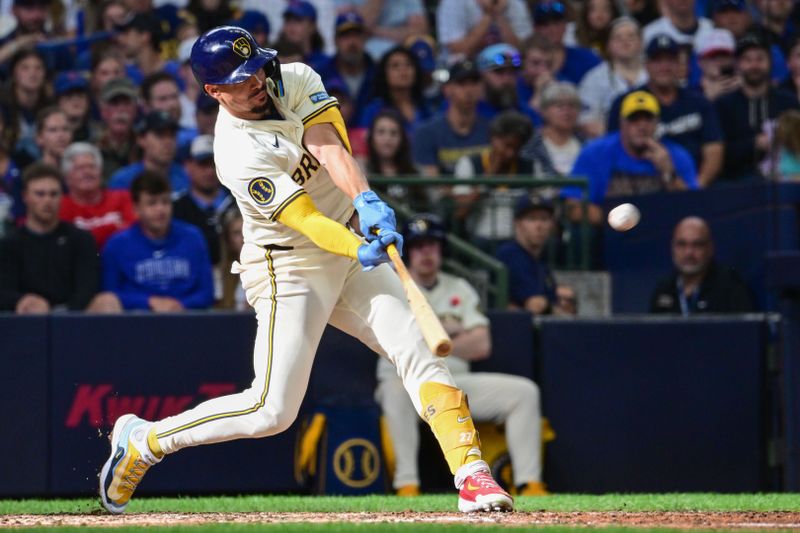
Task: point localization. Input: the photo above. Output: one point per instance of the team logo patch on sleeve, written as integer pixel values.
(319, 97)
(261, 190)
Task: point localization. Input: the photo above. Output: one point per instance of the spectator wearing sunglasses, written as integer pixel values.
(570, 63)
(499, 65)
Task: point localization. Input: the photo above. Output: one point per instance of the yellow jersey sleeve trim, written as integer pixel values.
(289, 199)
(330, 114)
(302, 215)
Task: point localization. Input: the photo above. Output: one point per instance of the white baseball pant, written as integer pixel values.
(295, 294)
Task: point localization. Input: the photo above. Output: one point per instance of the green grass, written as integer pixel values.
(427, 503)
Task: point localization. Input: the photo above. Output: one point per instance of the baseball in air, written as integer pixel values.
(624, 217)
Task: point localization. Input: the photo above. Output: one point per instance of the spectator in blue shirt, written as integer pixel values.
(158, 264)
(499, 65)
(631, 161)
(570, 63)
(687, 118)
(156, 136)
(532, 286)
(459, 130)
(351, 64)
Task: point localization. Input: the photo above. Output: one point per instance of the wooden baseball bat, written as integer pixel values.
(435, 336)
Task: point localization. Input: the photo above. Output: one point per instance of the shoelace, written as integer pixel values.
(134, 474)
(484, 479)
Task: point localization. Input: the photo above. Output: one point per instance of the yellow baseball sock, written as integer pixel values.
(152, 443)
(446, 411)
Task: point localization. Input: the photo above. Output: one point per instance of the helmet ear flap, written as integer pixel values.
(272, 69)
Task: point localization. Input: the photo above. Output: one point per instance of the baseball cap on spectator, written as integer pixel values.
(156, 121)
(463, 70)
(185, 49)
(119, 87)
(70, 81)
(729, 5)
(497, 56)
(716, 42)
(662, 44)
(349, 21)
(639, 102)
(423, 46)
(300, 9)
(252, 21)
(750, 41)
(202, 148)
(549, 11)
(532, 202)
(559, 91)
(206, 103)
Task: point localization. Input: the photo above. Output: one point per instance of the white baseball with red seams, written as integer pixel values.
(624, 217)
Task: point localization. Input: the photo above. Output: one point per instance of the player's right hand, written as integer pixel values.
(374, 253)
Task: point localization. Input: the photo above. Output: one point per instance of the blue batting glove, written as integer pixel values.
(373, 215)
(374, 253)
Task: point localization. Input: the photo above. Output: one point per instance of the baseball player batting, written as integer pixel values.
(281, 148)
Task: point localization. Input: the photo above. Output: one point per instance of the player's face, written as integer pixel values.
(164, 96)
(85, 175)
(55, 135)
(154, 212)
(692, 248)
(247, 100)
(42, 199)
(534, 227)
(425, 257)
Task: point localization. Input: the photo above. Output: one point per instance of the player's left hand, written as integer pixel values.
(374, 253)
(373, 215)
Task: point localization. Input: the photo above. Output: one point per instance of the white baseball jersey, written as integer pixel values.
(265, 166)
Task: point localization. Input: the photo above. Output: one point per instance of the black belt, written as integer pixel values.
(277, 247)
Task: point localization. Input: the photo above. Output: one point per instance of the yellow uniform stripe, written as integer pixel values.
(321, 110)
(292, 197)
(263, 397)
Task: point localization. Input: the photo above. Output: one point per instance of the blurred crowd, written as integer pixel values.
(108, 193)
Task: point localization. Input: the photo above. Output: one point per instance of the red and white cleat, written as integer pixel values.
(478, 491)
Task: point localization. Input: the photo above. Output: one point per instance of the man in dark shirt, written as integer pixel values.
(698, 284)
(747, 115)
(206, 200)
(46, 264)
(532, 286)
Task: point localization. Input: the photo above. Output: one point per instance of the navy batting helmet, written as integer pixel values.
(423, 227)
(228, 55)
